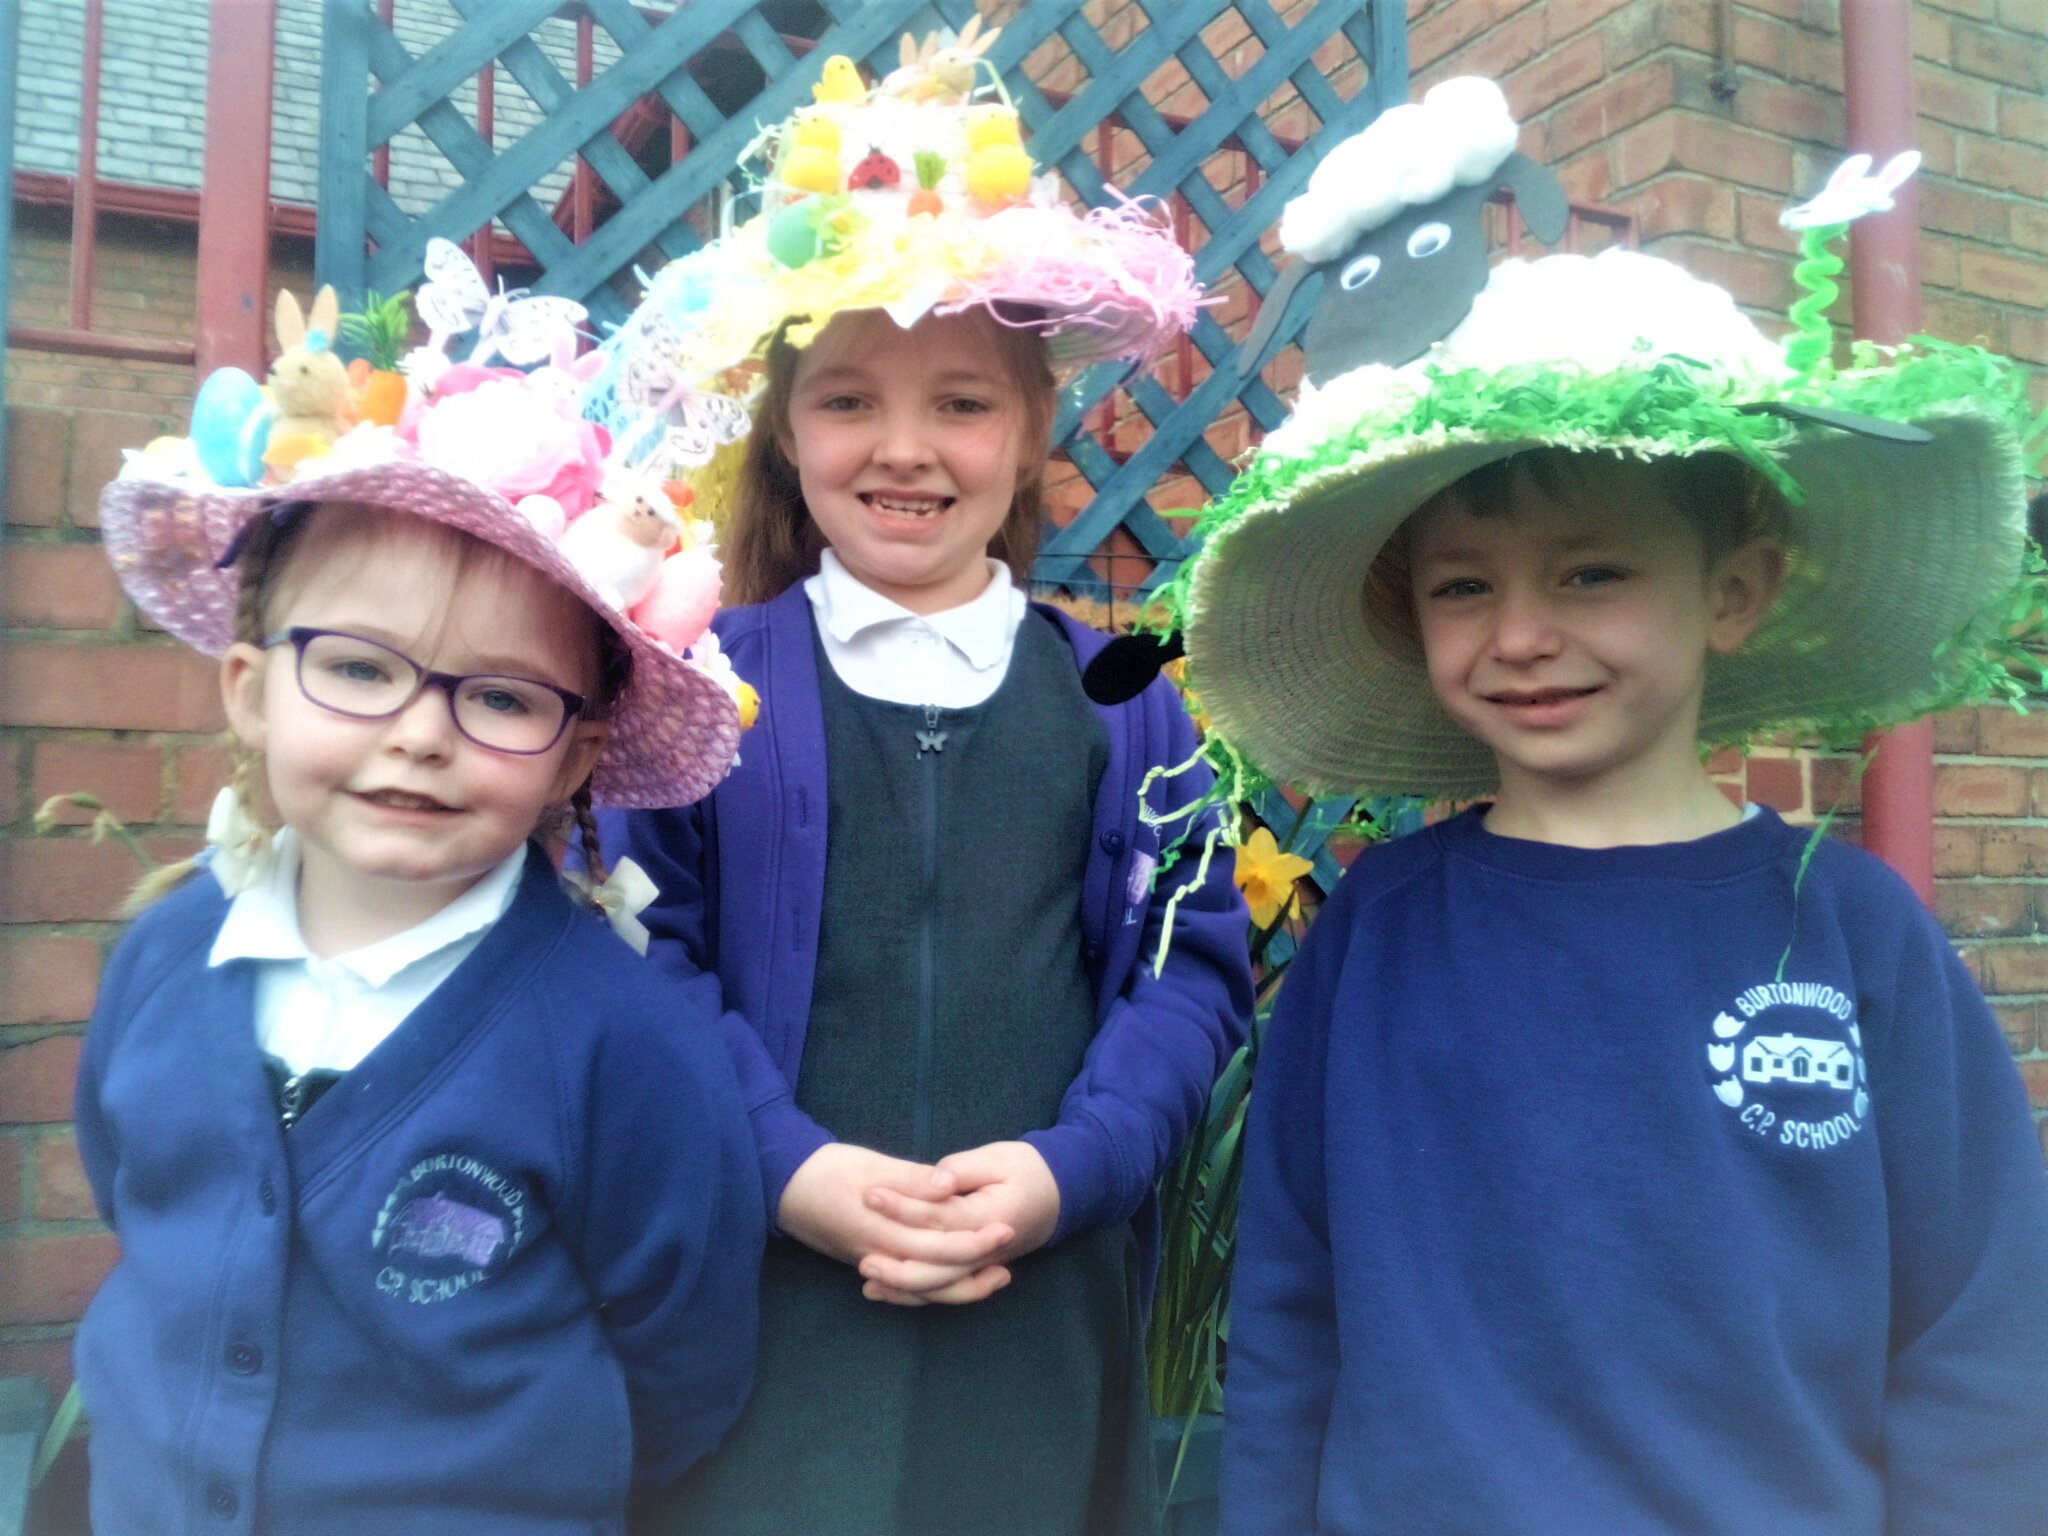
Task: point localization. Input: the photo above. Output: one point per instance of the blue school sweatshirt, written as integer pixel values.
(1568, 1208)
(501, 1273)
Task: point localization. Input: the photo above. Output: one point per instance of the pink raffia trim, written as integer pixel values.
(1116, 283)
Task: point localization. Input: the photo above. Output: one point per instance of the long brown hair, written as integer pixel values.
(771, 543)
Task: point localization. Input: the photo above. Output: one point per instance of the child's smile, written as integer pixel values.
(1542, 708)
(899, 504)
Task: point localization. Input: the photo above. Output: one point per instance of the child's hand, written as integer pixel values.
(823, 1207)
(1005, 1184)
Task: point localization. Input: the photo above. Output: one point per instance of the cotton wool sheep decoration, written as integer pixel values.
(1391, 225)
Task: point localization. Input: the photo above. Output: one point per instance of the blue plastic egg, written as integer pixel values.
(231, 419)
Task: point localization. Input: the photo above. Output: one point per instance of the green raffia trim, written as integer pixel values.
(1812, 341)
(1209, 841)
(1173, 842)
(1820, 832)
(1674, 406)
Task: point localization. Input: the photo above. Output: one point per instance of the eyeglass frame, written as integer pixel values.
(299, 636)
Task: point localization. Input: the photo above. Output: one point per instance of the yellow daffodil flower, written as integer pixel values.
(1267, 876)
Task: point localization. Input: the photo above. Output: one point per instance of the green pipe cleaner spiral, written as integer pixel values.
(1813, 339)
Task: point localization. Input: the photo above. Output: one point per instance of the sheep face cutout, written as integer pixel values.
(1407, 283)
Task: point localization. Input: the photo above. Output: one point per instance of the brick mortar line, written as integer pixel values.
(29, 1227)
(36, 1333)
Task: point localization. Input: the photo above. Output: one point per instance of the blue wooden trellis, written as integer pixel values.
(374, 88)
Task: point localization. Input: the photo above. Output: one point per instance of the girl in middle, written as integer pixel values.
(925, 898)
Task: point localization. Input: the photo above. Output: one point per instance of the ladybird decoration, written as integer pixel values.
(875, 172)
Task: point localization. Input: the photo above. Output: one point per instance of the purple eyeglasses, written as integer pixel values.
(362, 679)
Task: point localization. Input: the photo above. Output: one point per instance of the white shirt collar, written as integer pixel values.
(981, 628)
(263, 921)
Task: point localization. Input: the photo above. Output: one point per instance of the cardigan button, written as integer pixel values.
(266, 1196)
(220, 1498)
(244, 1359)
(1091, 951)
(1112, 842)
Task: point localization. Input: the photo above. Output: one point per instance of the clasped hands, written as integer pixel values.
(923, 1232)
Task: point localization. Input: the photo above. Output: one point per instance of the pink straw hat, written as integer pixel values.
(674, 728)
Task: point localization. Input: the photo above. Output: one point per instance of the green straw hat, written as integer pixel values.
(1908, 569)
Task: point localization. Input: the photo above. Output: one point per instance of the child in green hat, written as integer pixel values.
(1622, 1159)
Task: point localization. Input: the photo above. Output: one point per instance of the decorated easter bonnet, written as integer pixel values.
(1901, 474)
(498, 453)
(914, 196)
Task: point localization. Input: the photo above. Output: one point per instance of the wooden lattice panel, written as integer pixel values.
(1132, 90)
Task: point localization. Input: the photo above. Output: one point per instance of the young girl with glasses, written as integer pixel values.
(437, 1206)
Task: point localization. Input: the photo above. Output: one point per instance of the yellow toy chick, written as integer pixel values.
(998, 169)
(812, 164)
(841, 83)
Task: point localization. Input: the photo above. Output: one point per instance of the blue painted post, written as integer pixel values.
(338, 255)
(10, 66)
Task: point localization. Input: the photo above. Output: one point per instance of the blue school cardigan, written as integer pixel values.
(505, 1268)
(742, 879)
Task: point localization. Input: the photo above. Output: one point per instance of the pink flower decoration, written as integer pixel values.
(511, 438)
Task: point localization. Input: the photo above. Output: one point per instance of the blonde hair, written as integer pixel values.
(1725, 501)
(771, 542)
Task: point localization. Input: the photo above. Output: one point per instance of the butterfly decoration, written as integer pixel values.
(522, 328)
(693, 424)
(1852, 191)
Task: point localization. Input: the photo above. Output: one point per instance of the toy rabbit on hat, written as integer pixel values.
(500, 455)
(1901, 473)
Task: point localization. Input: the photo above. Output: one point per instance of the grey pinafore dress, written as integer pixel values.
(951, 1009)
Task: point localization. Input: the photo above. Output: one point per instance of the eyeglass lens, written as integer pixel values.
(358, 677)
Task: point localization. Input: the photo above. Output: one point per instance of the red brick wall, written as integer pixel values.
(91, 699)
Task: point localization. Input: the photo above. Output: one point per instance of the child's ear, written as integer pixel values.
(241, 692)
(587, 740)
(1742, 587)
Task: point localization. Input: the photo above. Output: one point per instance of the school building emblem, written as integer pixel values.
(1787, 1058)
(451, 1223)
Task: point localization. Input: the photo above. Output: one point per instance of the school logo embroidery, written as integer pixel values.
(451, 1224)
(1787, 1058)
